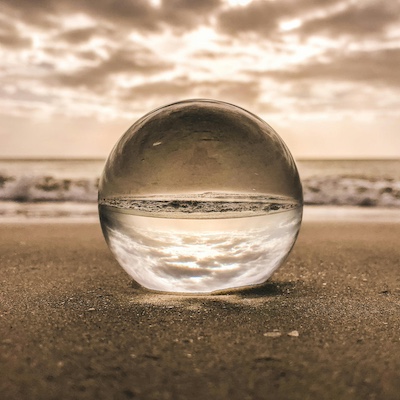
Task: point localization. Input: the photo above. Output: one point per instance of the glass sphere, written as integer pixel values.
(199, 196)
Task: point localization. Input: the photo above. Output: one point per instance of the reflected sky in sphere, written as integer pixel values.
(200, 255)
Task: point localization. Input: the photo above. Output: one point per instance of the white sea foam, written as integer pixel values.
(39, 184)
(352, 190)
(336, 190)
(47, 188)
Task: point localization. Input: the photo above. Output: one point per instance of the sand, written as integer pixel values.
(74, 326)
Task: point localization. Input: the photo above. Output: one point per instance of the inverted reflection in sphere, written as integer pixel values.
(199, 196)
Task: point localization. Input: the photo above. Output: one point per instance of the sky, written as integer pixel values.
(75, 75)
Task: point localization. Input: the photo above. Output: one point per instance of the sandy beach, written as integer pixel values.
(74, 326)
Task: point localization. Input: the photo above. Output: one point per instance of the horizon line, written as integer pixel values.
(47, 158)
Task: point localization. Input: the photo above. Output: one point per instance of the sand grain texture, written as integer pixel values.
(73, 326)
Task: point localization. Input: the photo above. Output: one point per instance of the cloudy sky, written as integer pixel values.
(75, 74)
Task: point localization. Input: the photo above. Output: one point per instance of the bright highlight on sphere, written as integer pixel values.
(199, 196)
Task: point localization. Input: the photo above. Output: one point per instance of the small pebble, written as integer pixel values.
(273, 334)
(91, 309)
(293, 334)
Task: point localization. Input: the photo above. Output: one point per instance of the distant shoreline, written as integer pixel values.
(34, 159)
(78, 159)
(88, 213)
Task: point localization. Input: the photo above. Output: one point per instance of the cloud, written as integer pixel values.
(379, 67)
(263, 17)
(81, 35)
(45, 13)
(139, 15)
(228, 90)
(332, 19)
(109, 60)
(133, 61)
(11, 37)
(187, 13)
(35, 13)
(358, 19)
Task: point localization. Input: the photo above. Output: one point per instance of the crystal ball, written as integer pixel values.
(200, 196)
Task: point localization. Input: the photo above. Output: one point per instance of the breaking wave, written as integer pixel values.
(47, 188)
(318, 190)
(352, 190)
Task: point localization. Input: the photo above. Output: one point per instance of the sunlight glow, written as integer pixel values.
(290, 25)
(155, 3)
(241, 3)
(76, 21)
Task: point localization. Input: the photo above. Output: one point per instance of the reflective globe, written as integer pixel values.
(199, 196)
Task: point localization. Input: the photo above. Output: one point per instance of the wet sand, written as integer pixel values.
(74, 326)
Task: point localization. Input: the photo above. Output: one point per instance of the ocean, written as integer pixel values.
(68, 188)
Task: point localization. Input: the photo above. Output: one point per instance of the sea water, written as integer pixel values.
(202, 243)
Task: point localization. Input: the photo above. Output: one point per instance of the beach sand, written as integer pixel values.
(74, 326)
